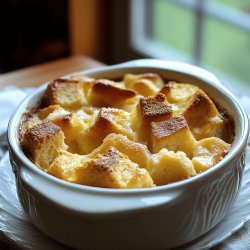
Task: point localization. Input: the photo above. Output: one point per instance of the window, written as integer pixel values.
(214, 34)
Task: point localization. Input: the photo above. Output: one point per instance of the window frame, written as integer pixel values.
(141, 31)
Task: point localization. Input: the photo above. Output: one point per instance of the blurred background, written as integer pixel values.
(214, 34)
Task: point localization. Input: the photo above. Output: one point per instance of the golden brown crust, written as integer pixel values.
(109, 120)
(166, 88)
(58, 91)
(106, 162)
(108, 89)
(155, 107)
(42, 142)
(200, 107)
(135, 151)
(168, 127)
(105, 120)
(40, 132)
(112, 125)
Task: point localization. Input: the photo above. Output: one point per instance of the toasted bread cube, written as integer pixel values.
(136, 152)
(109, 120)
(129, 79)
(213, 127)
(67, 165)
(114, 170)
(28, 120)
(144, 87)
(203, 117)
(107, 93)
(167, 167)
(54, 113)
(173, 134)
(149, 109)
(178, 94)
(199, 109)
(42, 143)
(67, 93)
(208, 152)
(74, 124)
(86, 81)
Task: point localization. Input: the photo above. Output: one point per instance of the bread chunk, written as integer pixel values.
(75, 124)
(208, 152)
(199, 109)
(173, 134)
(203, 117)
(28, 120)
(129, 79)
(107, 93)
(109, 120)
(71, 123)
(68, 93)
(178, 94)
(112, 169)
(54, 113)
(167, 167)
(144, 87)
(194, 104)
(136, 152)
(42, 143)
(144, 84)
(68, 166)
(155, 108)
(149, 109)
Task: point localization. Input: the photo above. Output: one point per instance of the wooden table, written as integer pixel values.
(35, 75)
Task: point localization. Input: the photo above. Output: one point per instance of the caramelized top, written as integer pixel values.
(133, 133)
(168, 127)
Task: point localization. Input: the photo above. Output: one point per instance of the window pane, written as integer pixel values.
(173, 26)
(243, 5)
(227, 48)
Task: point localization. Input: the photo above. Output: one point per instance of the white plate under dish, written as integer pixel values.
(18, 230)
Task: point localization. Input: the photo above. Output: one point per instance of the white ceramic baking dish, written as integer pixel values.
(151, 218)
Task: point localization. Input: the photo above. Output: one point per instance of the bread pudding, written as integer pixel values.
(135, 132)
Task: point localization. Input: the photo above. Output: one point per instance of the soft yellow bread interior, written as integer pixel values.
(110, 169)
(155, 79)
(108, 120)
(167, 167)
(68, 166)
(113, 169)
(173, 134)
(208, 152)
(135, 151)
(132, 132)
(178, 94)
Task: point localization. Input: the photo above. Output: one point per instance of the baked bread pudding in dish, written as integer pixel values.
(139, 131)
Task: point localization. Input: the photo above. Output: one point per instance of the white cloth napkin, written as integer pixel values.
(10, 97)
